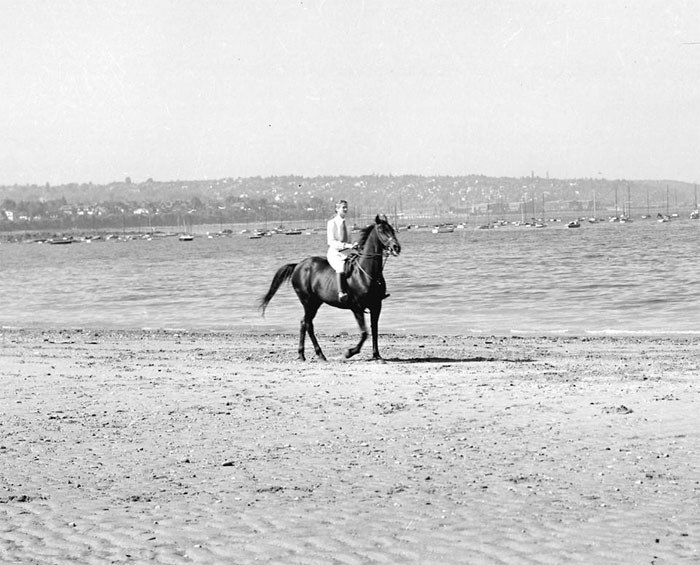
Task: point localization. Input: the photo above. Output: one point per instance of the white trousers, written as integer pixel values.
(336, 259)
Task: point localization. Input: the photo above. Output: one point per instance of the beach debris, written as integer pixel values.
(621, 409)
(397, 489)
(138, 498)
(273, 488)
(390, 407)
(16, 498)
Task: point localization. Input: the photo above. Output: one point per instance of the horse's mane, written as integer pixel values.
(364, 234)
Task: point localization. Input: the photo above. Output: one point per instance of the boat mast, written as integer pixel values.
(544, 219)
(648, 206)
(595, 213)
(629, 203)
(675, 199)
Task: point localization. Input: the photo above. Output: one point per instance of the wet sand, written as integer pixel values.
(167, 447)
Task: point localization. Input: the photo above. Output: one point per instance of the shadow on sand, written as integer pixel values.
(455, 360)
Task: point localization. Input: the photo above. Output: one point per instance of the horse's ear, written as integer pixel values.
(380, 218)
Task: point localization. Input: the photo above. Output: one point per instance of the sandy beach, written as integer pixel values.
(175, 447)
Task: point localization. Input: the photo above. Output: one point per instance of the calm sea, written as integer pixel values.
(637, 278)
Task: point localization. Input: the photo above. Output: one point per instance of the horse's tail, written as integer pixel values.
(282, 275)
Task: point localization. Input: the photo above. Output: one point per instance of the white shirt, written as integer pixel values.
(338, 234)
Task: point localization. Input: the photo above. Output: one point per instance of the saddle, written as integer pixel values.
(353, 256)
(350, 261)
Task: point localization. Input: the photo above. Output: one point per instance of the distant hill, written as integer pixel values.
(406, 194)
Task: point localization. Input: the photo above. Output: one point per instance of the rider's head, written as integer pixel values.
(341, 207)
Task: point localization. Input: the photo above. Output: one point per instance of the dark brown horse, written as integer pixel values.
(315, 283)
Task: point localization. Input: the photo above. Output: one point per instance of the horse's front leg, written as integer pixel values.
(360, 318)
(374, 312)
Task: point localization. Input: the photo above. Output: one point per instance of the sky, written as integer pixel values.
(97, 91)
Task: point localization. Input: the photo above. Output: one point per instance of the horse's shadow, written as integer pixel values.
(433, 359)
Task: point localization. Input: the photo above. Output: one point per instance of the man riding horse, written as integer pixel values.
(338, 236)
(316, 282)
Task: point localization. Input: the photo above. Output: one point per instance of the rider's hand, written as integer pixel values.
(355, 245)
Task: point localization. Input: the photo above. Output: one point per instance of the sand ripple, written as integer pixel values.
(130, 447)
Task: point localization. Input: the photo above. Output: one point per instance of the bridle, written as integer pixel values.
(385, 253)
(386, 244)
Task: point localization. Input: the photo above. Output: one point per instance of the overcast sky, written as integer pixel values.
(94, 91)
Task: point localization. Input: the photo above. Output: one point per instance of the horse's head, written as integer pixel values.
(387, 235)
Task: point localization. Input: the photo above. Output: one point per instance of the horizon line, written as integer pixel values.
(128, 180)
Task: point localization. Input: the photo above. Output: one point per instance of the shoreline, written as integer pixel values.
(207, 447)
(398, 335)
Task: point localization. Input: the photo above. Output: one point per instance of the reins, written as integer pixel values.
(359, 266)
(363, 253)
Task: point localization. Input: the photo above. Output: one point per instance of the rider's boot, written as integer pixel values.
(342, 294)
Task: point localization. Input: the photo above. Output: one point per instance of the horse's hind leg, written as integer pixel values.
(302, 337)
(360, 318)
(307, 324)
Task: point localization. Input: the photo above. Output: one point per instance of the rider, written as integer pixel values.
(338, 236)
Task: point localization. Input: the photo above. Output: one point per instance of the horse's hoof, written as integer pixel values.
(349, 353)
(301, 358)
(322, 357)
(378, 359)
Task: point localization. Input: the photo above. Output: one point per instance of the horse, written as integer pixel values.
(315, 283)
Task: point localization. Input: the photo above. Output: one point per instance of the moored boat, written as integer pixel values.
(444, 228)
(60, 240)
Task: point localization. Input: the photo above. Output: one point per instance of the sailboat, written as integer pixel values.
(648, 214)
(664, 218)
(594, 218)
(627, 215)
(695, 214)
(185, 235)
(616, 217)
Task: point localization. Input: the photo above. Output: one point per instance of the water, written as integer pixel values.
(638, 278)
